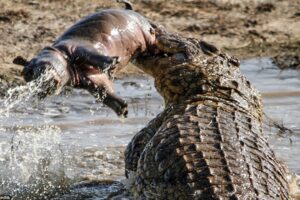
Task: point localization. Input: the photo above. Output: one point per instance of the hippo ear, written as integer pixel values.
(19, 60)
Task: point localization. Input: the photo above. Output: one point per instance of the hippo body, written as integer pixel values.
(97, 42)
(112, 32)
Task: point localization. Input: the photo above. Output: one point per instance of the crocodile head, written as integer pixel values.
(185, 69)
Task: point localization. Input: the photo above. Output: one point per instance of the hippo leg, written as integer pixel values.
(111, 100)
(90, 56)
(117, 104)
(101, 88)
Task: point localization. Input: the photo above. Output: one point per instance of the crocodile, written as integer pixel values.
(208, 142)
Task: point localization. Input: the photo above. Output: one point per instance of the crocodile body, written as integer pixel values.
(208, 143)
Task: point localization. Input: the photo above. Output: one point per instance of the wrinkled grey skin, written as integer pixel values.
(106, 40)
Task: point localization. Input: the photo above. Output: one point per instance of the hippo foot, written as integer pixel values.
(117, 104)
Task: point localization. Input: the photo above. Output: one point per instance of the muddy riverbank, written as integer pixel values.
(243, 28)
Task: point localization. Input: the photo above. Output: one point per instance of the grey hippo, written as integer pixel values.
(107, 39)
(208, 143)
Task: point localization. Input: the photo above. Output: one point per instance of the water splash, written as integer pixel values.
(32, 164)
(33, 90)
(32, 160)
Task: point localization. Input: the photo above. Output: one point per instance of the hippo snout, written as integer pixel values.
(50, 76)
(32, 73)
(27, 74)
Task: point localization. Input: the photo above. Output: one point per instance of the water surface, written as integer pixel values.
(47, 146)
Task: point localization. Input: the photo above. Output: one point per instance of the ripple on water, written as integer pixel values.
(68, 144)
(31, 163)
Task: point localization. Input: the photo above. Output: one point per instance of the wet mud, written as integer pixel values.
(243, 28)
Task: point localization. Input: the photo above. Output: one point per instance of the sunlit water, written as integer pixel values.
(66, 146)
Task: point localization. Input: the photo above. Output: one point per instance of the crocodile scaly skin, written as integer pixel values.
(208, 143)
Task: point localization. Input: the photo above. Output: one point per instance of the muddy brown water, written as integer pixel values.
(66, 146)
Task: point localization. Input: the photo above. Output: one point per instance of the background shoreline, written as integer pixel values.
(242, 28)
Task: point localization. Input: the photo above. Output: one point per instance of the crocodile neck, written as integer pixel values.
(189, 83)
